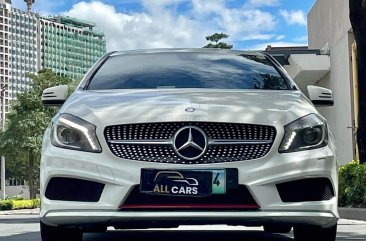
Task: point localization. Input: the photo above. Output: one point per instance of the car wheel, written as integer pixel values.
(51, 233)
(277, 228)
(315, 233)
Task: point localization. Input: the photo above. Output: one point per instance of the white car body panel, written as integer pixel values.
(108, 107)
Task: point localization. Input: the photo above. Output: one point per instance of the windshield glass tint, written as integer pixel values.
(187, 70)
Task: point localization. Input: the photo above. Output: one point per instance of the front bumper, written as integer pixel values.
(112, 218)
(119, 176)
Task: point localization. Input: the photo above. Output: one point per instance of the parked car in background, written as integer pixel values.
(167, 137)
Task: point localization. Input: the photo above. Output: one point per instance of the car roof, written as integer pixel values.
(187, 50)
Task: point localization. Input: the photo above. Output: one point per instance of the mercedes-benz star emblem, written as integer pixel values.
(190, 142)
(190, 109)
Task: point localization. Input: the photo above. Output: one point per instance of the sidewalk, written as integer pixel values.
(20, 212)
(353, 213)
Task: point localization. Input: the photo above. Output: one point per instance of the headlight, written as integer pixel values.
(71, 132)
(308, 132)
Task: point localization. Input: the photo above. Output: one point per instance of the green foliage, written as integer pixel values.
(270, 82)
(19, 204)
(216, 39)
(36, 203)
(14, 198)
(6, 205)
(26, 204)
(352, 185)
(22, 140)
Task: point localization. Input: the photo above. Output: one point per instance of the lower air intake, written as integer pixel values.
(71, 189)
(305, 190)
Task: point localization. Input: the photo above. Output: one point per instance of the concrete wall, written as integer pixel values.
(328, 22)
(340, 115)
(22, 191)
(307, 69)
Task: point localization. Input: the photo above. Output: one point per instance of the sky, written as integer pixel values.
(141, 24)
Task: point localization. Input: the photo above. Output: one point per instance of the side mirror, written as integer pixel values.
(320, 96)
(55, 95)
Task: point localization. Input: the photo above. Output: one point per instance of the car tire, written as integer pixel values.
(277, 228)
(52, 233)
(302, 233)
(100, 229)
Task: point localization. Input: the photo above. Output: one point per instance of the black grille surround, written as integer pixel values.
(153, 142)
(306, 190)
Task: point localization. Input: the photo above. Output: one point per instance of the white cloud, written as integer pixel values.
(159, 24)
(264, 2)
(235, 21)
(157, 5)
(280, 37)
(138, 30)
(258, 37)
(208, 7)
(294, 17)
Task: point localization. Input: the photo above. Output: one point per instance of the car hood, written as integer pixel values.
(110, 107)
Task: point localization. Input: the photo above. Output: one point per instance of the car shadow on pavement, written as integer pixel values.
(181, 236)
(29, 236)
(185, 235)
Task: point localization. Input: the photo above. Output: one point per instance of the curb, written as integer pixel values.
(353, 213)
(20, 212)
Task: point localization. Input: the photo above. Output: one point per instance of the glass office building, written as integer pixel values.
(70, 46)
(30, 42)
(5, 65)
(23, 49)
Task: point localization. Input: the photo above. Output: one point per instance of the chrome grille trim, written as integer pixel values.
(226, 142)
(237, 142)
(143, 142)
(210, 142)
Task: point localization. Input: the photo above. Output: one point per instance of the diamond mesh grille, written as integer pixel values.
(166, 130)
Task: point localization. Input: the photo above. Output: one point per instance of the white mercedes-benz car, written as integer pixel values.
(169, 137)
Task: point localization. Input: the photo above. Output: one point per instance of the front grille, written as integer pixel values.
(305, 190)
(153, 142)
(238, 198)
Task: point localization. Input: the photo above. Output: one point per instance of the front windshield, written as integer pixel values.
(188, 70)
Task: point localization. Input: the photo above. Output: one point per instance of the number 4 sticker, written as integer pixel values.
(218, 182)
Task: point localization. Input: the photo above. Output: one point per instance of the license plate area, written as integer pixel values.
(192, 183)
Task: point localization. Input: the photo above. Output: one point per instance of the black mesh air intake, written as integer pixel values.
(70, 189)
(304, 190)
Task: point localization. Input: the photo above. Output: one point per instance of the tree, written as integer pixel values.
(22, 140)
(216, 39)
(358, 21)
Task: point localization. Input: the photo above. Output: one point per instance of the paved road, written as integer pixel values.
(26, 228)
